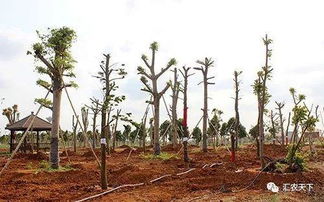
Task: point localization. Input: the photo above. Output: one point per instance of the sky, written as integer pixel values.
(228, 31)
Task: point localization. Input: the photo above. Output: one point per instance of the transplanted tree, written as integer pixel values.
(280, 105)
(95, 109)
(85, 122)
(261, 90)
(108, 75)
(53, 51)
(297, 118)
(215, 126)
(153, 89)
(185, 75)
(11, 113)
(196, 135)
(205, 65)
(175, 96)
(234, 140)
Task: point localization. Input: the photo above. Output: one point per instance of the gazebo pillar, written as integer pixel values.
(11, 140)
(37, 141)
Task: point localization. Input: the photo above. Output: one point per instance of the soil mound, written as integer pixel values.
(32, 156)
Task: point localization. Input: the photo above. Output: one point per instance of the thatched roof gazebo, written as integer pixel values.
(22, 125)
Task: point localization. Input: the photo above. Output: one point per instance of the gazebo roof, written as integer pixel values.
(38, 124)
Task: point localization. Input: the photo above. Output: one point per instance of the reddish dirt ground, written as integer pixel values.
(221, 182)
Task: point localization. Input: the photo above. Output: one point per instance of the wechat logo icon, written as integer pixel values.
(272, 187)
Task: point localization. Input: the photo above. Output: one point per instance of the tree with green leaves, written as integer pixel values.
(108, 75)
(196, 134)
(280, 105)
(126, 132)
(296, 118)
(205, 65)
(153, 89)
(53, 51)
(261, 90)
(95, 109)
(215, 126)
(302, 115)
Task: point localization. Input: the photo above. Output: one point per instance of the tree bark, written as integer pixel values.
(56, 113)
(205, 116)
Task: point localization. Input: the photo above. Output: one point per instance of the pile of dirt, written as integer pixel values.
(69, 152)
(170, 147)
(32, 156)
(89, 153)
(124, 146)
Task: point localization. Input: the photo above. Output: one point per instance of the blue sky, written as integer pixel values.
(229, 31)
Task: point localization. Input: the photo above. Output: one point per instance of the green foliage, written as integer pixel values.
(44, 102)
(154, 46)
(229, 127)
(162, 156)
(44, 166)
(215, 122)
(165, 129)
(196, 134)
(281, 167)
(54, 47)
(296, 156)
(254, 131)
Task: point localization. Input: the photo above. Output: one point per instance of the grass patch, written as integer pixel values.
(163, 156)
(44, 166)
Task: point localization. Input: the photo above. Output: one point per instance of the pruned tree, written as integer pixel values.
(261, 90)
(175, 96)
(95, 108)
(53, 51)
(185, 74)
(75, 128)
(205, 65)
(115, 118)
(274, 126)
(153, 89)
(296, 119)
(234, 140)
(108, 75)
(85, 122)
(280, 105)
(215, 126)
(11, 113)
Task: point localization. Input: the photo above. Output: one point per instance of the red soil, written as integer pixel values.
(20, 182)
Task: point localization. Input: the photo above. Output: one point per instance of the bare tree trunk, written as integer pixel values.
(237, 116)
(175, 94)
(103, 148)
(157, 149)
(185, 114)
(280, 106)
(75, 126)
(287, 129)
(56, 114)
(205, 116)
